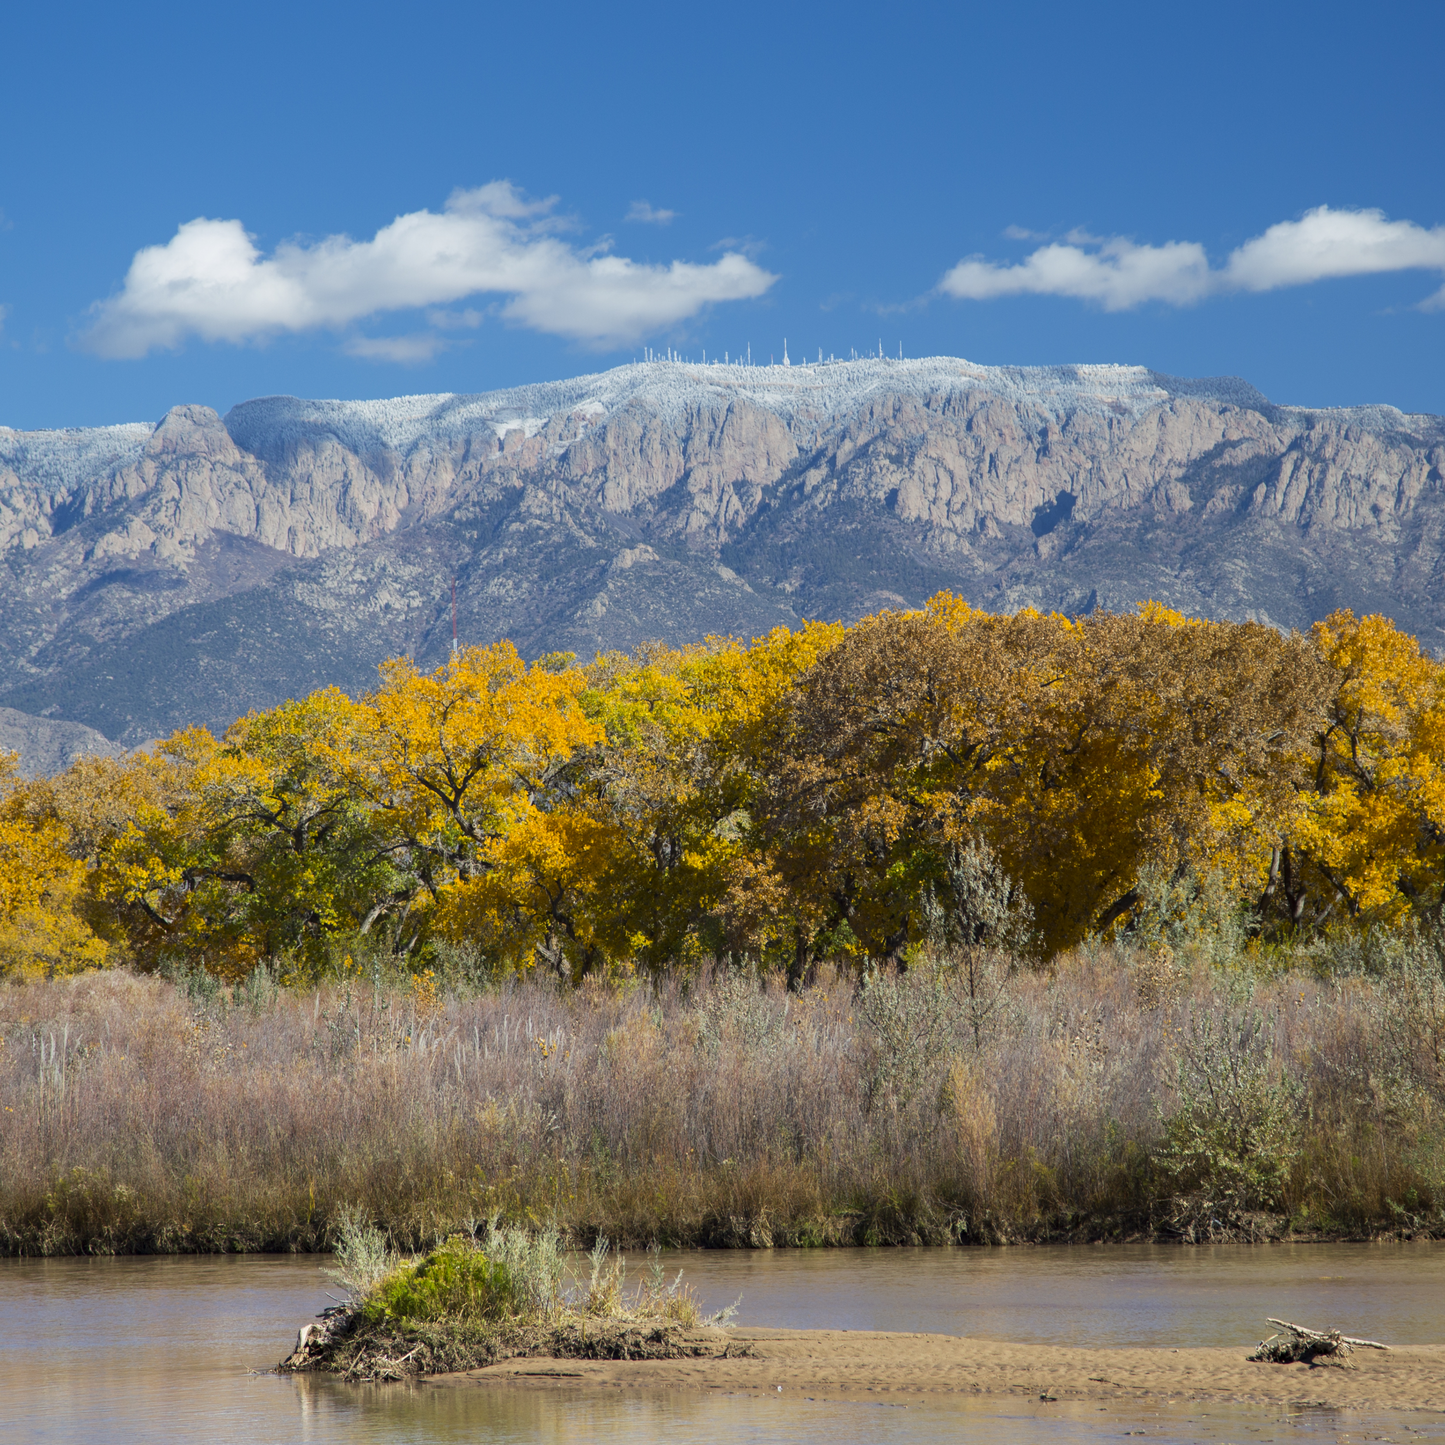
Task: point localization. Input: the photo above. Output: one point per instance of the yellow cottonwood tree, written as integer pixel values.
(42, 887)
(627, 858)
(1371, 842)
(286, 852)
(1077, 748)
(137, 822)
(1212, 717)
(690, 741)
(459, 760)
(225, 853)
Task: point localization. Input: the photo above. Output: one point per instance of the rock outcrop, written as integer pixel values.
(192, 570)
(45, 746)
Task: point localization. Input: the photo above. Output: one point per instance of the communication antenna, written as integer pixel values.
(454, 616)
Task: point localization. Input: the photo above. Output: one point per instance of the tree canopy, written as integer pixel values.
(805, 795)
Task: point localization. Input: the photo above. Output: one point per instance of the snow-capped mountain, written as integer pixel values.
(190, 570)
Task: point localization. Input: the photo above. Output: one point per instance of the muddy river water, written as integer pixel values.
(177, 1349)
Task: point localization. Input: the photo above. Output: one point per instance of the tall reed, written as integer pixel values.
(1122, 1093)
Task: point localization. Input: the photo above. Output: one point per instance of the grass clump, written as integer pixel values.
(474, 1299)
(363, 1258)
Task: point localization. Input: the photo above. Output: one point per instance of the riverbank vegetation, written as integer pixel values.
(1165, 1091)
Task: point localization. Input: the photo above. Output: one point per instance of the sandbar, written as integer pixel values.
(874, 1365)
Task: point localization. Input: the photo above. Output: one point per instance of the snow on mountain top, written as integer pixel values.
(57, 461)
(807, 392)
(803, 395)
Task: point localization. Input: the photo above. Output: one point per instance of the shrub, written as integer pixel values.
(1229, 1143)
(456, 1282)
(362, 1257)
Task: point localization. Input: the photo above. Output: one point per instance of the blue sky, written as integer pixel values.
(205, 204)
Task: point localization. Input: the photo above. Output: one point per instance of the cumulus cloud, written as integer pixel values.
(641, 211)
(210, 280)
(1117, 274)
(1120, 274)
(1326, 243)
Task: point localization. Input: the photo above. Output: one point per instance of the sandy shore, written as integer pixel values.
(869, 1365)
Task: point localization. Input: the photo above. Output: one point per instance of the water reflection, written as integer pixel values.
(446, 1414)
(163, 1349)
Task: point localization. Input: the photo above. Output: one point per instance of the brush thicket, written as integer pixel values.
(1110, 1096)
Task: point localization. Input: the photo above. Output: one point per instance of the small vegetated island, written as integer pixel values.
(494, 1308)
(499, 1294)
(944, 927)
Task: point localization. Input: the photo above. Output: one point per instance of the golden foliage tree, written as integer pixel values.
(689, 739)
(1370, 843)
(42, 932)
(1075, 747)
(463, 769)
(808, 794)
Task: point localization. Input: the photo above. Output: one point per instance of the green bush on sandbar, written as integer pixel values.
(500, 1276)
(454, 1282)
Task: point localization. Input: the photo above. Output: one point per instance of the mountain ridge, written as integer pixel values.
(194, 569)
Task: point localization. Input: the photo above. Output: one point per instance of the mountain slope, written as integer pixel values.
(186, 572)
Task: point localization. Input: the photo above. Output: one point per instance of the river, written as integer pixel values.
(177, 1349)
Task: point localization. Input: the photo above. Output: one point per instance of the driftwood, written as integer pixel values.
(344, 1344)
(1296, 1344)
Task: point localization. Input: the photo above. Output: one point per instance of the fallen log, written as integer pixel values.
(1297, 1344)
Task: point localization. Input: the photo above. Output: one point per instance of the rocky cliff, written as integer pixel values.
(192, 570)
(45, 745)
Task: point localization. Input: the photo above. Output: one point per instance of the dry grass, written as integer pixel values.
(1109, 1097)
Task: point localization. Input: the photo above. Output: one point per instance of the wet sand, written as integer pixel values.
(871, 1365)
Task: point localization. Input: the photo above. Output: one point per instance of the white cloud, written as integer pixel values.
(641, 211)
(1326, 243)
(4, 312)
(467, 320)
(1119, 274)
(408, 350)
(210, 280)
